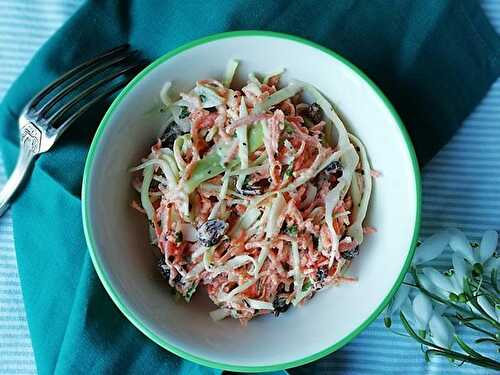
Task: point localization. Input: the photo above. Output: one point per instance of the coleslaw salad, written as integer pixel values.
(253, 193)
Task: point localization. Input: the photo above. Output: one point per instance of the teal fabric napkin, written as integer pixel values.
(433, 59)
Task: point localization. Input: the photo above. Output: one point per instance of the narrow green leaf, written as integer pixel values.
(411, 332)
(486, 363)
(494, 280)
(488, 340)
(466, 348)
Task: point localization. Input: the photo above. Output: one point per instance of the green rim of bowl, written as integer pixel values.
(92, 245)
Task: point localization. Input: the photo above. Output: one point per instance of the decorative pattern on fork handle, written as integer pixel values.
(40, 125)
(31, 137)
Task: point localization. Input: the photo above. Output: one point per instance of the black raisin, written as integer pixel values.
(168, 138)
(280, 304)
(184, 112)
(315, 113)
(211, 232)
(334, 169)
(322, 273)
(350, 254)
(315, 241)
(281, 288)
(163, 269)
(248, 189)
(177, 278)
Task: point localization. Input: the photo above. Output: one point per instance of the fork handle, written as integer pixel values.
(24, 161)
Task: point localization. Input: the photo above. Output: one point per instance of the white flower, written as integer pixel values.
(442, 331)
(399, 299)
(407, 311)
(461, 269)
(431, 288)
(492, 264)
(432, 247)
(441, 281)
(488, 245)
(441, 309)
(422, 308)
(460, 244)
(487, 307)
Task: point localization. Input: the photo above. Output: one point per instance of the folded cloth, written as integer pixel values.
(433, 59)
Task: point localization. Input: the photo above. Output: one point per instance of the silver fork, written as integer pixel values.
(40, 128)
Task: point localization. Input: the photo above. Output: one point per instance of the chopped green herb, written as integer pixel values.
(184, 112)
(288, 128)
(289, 171)
(190, 292)
(291, 230)
(203, 98)
(178, 237)
(307, 284)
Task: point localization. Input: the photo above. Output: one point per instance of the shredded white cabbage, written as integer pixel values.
(350, 160)
(219, 314)
(360, 207)
(222, 196)
(278, 72)
(208, 97)
(250, 216)
(164, 166)
(241, 134)
(259, 305)
(227, 297)
(232, 65)
(146, 181)
(178, 143)
(279, 96)
(298, 278)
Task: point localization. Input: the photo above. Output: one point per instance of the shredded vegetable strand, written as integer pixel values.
(145, 201)
(360, 207)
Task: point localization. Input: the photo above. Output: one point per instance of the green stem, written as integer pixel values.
(488, 340)
(487, 363)
(438, 350)
(473, 300)
(482, 287)
(476, 328)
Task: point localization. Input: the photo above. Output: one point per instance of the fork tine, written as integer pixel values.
(90, 90)
(98, 69)
(85, 107)
(74, 71)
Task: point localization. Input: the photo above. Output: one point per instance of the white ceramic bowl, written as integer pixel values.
(117, 236)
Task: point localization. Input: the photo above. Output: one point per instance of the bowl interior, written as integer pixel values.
(118, 238)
